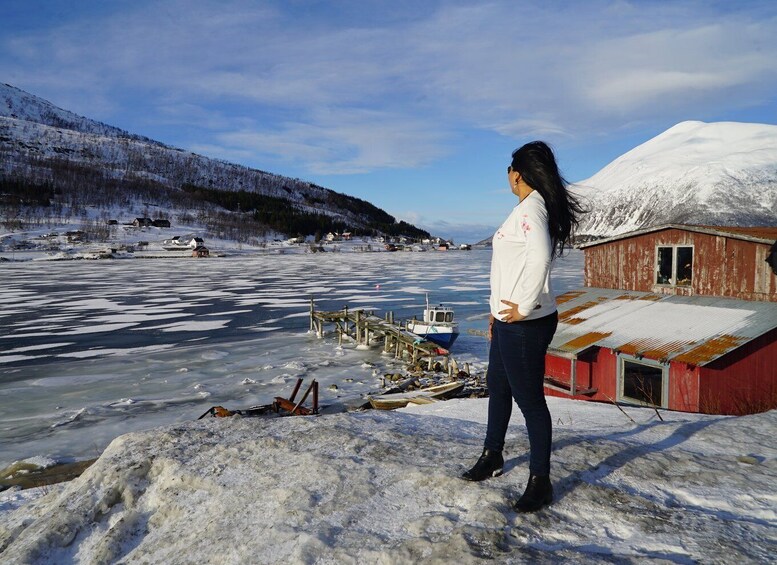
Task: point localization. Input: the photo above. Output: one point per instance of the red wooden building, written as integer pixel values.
(680, 317)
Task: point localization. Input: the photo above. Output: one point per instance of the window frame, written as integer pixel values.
(673, 277)
(622, 359)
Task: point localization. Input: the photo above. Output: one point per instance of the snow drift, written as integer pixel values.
(381, 487)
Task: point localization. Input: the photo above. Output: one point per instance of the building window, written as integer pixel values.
(664, 269)
(642, 382)
(674, 265)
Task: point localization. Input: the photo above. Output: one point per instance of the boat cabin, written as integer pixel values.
(438, 314)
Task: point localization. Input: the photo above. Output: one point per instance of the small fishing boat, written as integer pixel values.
(421, 396)
(437, 325)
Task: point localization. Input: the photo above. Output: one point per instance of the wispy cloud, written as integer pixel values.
(356, 96)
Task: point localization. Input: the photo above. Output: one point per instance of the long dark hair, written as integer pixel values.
(537, 166)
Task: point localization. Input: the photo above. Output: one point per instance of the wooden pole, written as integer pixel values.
(311, 312)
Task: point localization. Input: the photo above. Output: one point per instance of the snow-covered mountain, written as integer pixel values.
(18, 104)
(697, 173)
(97, 165)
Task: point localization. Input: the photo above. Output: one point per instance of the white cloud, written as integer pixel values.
(343, 142)
(353, 98)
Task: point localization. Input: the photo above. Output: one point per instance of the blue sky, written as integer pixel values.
(413, 106)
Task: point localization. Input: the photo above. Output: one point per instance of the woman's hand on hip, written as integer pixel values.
(511, 314)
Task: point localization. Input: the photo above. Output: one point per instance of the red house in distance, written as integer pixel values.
(679, 317)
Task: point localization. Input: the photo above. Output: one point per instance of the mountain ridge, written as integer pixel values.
(90, 163)
(19, 104)
(720, 173)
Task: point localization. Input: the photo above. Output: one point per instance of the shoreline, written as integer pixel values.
(43, 477)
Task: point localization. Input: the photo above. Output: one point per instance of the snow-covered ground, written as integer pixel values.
(49, 241)
(383, 487)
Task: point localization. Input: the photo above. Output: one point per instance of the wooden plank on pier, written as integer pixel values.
(359, 325)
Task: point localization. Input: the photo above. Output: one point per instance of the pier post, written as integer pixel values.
(312, 313)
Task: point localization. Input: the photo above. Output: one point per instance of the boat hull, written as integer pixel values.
(443, 336)
(421, 396)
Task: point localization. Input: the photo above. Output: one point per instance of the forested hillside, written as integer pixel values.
(57, 165)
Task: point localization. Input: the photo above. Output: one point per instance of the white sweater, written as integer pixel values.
(521, 260)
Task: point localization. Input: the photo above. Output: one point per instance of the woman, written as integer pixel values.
(523, 315)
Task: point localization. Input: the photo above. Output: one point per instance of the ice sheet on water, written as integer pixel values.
(260, 320)
(118, 351)
(17, 358)
(104, 328)
(52, 345)
(191, 326)
(414, 289)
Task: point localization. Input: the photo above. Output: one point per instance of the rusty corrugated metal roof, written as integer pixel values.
(691, 329)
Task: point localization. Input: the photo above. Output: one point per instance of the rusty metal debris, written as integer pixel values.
(280, 406)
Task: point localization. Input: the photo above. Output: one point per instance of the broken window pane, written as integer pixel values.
(684, 265)
(642, 383)
(664, 270)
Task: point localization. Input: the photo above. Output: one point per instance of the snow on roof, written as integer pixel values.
(757, 234)
(690, 329)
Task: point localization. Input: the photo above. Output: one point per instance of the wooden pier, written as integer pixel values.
(367, 330)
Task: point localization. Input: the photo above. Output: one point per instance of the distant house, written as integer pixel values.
(346, 235)
(113, 222)
(200, 251)
(679, 317)
(75, 236)
(142, 222)
(161, 223)
(196, 242)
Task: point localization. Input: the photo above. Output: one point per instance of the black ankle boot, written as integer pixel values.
(539, 493)
(489, 465)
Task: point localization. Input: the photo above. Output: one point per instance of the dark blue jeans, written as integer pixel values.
(516, 371)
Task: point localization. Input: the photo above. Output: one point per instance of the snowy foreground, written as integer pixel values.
(383, 487)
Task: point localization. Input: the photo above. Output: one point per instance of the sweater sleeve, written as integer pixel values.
(534, 224)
